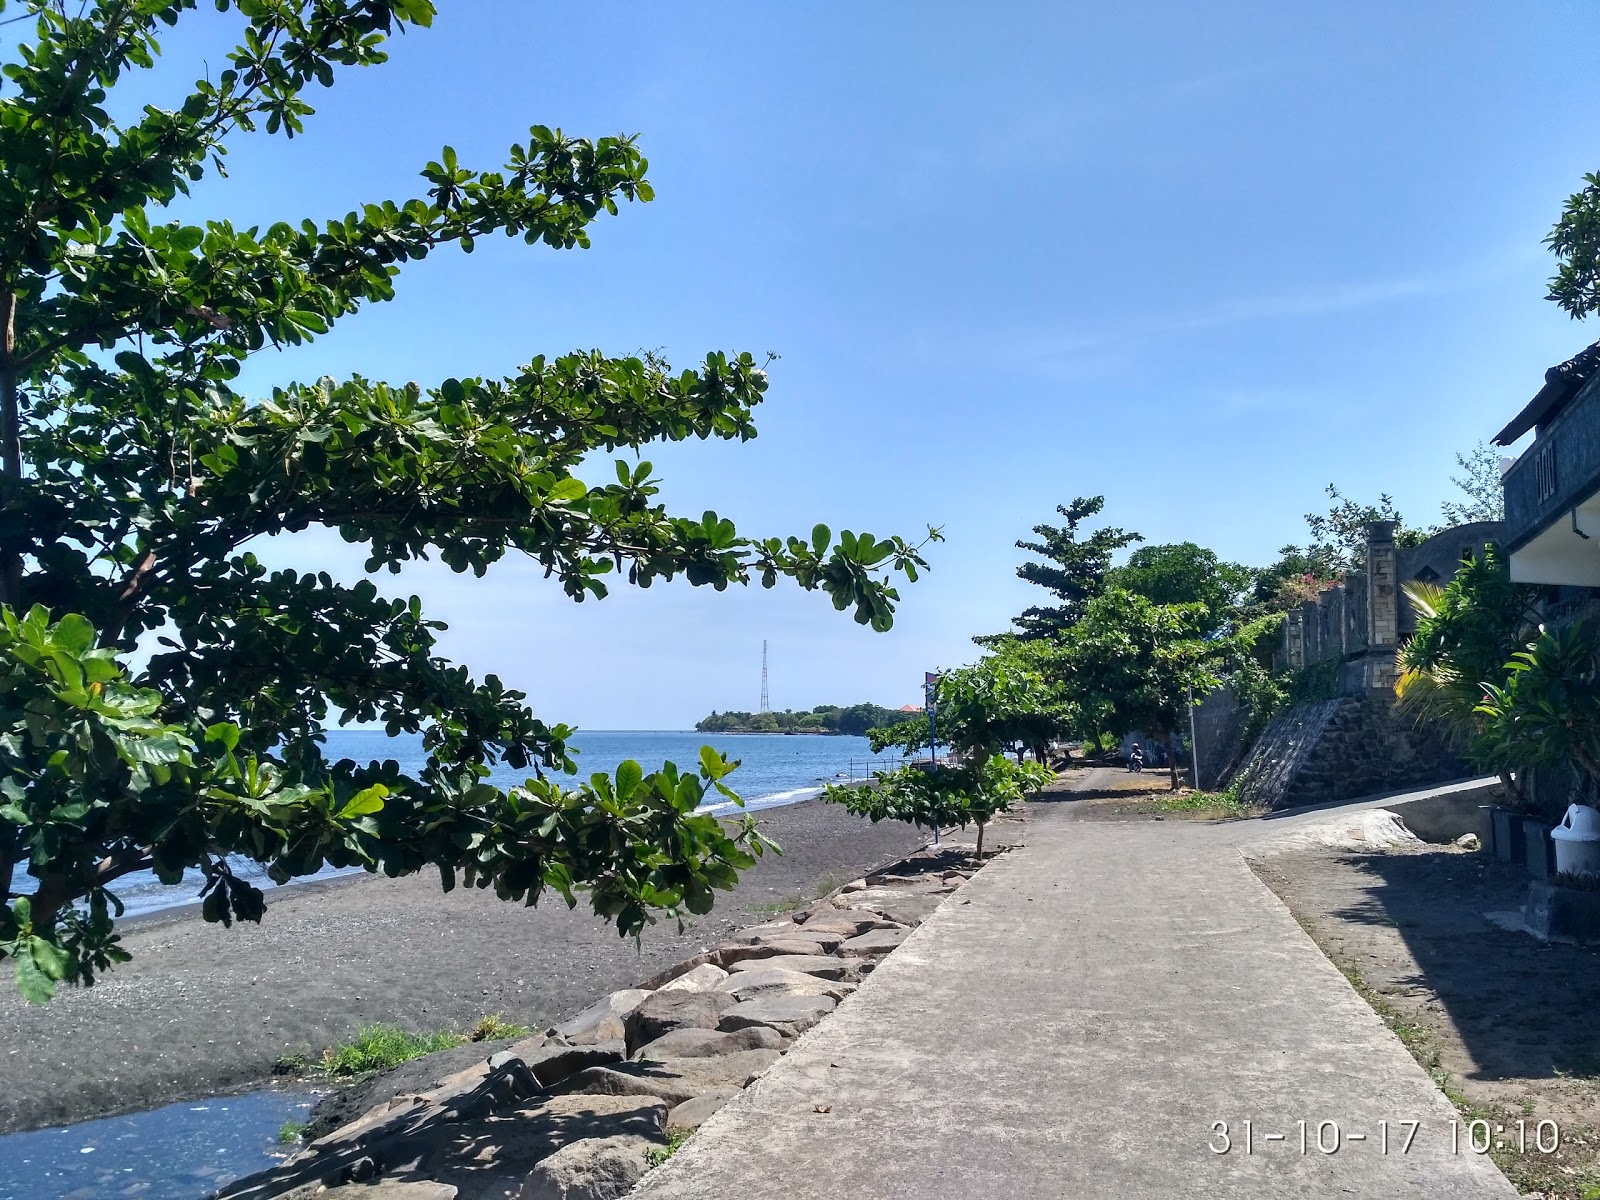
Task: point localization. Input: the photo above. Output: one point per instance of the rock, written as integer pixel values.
(661, 978)
(703, 1043)
(702, 978)
(765, 981)
(903, 906)
(692, 1114)
(791, 1015)
(596, 1169)
(873, 944)
(672, 1080)
(1468, 841)
(602, 1022)
(665, 1011)
(823, 966)
(855, 885)
(551, 1064)
(844, 923)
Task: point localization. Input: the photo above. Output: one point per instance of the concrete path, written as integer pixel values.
(1072, 1023)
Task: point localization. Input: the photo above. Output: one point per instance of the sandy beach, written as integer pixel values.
(203, 1010)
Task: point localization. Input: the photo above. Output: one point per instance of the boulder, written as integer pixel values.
(603, 1021)
(665, 1011)
(703, 1043)
(903, 906)
(873, 944)
(597, 1169)
(770, 981)
(702, 978)
(823, 966)
(551, 1064)
(844, 923)
(825, 941)
(791, 1015)
(692, 1114)
(672, 1080)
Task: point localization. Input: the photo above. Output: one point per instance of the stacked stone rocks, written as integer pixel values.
(574, 1112)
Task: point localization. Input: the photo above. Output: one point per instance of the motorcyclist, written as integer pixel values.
(1136, 758)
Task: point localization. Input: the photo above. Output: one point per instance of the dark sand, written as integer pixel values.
(203, 1010)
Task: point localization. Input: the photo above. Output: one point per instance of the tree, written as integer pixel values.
(1575, 241)
(1467, 632)
(1547, 713)
(1185, 574)
(1073, 571)
(982, 711)
(134, 478)
(1134, 666)
(1480, 480)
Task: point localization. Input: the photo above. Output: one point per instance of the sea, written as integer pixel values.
(773, 769)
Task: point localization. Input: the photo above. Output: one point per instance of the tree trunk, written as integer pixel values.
(1172, 761)
(10, 447)
(980, 842)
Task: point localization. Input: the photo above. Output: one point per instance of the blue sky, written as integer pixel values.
(1202, 259)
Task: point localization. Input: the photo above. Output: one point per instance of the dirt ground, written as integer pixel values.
(1508, 1026)
(203, 1010)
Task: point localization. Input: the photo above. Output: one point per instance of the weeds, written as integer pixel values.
(494, 1027)
(291, 1132)
(379, 1047)
(675, 1138)
(1223, 806)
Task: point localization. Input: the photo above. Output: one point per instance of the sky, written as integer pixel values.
(1203, 260)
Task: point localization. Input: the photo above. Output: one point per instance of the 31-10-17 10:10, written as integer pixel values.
(1325, 1137)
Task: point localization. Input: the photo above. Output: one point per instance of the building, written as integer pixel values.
(1552, 492)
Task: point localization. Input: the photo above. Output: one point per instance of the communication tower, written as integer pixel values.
(766, 704)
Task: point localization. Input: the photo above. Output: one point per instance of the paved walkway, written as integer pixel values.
(1071, 1024)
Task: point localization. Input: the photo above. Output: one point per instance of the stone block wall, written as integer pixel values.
(1333, 750)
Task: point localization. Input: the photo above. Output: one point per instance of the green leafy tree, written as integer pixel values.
(1575, 241)
(1185, 573)
(135, 477)
(1135, 666)
(1480, 482)
(982, 711)
(1072, 569)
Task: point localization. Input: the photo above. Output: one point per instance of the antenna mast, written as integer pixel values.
(766, 705)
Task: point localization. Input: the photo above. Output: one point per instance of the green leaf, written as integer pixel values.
(49, 958)
(367, 800)
(36, 987)
(821, 535)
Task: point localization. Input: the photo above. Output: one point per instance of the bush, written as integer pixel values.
(379, 1047)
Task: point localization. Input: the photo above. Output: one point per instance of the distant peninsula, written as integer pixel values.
(825, 718)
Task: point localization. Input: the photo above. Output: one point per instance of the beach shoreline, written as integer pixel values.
(204, 1011)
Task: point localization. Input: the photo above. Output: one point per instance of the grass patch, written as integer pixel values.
(291, 1132)
(788, 904)
(494, 1027)
(828, 881)
(379, 1047)
(675, 1138)
(1214, 806)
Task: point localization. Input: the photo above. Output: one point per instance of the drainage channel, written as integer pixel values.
(178, 1152)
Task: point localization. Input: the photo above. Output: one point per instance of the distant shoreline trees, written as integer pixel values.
(852, 721)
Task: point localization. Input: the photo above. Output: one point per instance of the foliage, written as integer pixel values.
(675, 1138)
(380, 1047)
(1575, 241)
(1338, 543)
(982, 711)
(1209, 806)
(134, 478)
(1073, 571)
(494, 1026)
(1480, 480)
(291, 1132)
(1547, 713)
(1467, 633)
(1185, 574)
(909, 735)
(1133, 666)
(856, 720)
(944, 794)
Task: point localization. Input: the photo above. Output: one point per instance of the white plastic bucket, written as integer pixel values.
(1577, 841)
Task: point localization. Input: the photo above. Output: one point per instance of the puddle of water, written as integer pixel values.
(180, 1152)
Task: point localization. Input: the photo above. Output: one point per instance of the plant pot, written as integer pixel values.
(1507, 838)
(1539, 852)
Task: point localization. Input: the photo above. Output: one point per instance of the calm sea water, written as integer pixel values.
(773, 769)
